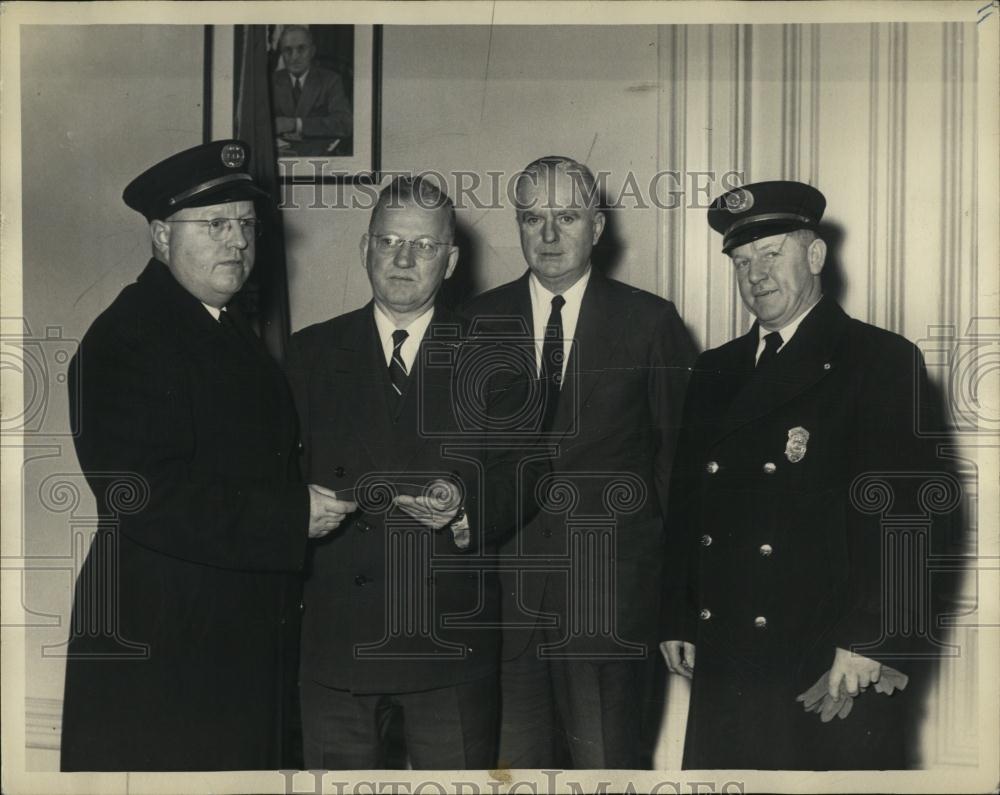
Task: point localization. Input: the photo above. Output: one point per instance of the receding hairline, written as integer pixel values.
(582, 176)
(290, 28)
(558, 164)
(415, 192)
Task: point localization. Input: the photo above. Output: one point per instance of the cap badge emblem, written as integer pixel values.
(795, 449)
(739, 200)
(233, 155)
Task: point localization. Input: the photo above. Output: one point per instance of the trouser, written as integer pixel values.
(592, 707)
(448, 728)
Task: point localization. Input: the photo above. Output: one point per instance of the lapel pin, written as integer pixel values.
(795, 449)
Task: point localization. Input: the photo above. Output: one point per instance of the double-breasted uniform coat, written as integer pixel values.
(187, 600)
(779, 555)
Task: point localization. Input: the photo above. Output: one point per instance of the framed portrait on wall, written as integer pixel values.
(324, 84)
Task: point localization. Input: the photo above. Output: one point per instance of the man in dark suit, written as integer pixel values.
(581, 583)
(400, 612)
(187, 434)
(788, 579)
(310, 107)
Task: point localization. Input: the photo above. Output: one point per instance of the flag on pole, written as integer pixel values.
(266, 301)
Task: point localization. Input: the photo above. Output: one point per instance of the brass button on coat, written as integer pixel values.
(769, 468)
(760, 622)
(704, 614)
(712, 467)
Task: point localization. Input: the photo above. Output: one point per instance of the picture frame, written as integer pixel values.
(329, 131)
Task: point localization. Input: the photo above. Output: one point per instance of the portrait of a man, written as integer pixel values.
(311, 90)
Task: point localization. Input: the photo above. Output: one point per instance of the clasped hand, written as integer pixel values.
(326, 511)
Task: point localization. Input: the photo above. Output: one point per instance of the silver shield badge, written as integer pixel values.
(795, 449)
(739, 201)
(233, 155)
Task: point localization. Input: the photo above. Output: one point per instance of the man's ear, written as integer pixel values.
(598, 226)
(452, 262)
(816, 254)
(159, 231)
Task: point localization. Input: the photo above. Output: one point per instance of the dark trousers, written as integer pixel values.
(593, 708)
(449, 728)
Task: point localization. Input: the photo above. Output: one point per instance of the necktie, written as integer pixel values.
(296, 89)
(397, 370)
(552, 361)
(772, 342)
(231, 327)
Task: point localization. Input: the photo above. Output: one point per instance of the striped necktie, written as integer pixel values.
(397, 370)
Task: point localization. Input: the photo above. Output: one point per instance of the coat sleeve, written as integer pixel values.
(333, 117)
(135, 414)
(892, 456)
(672, 353)
(679, 584)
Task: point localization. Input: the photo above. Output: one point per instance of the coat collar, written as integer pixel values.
(807, 358)
(176, 303)
(598, 334)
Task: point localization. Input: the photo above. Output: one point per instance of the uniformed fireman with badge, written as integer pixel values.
(785, 581)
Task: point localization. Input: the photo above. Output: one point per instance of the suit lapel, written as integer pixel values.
(598, 333)
(361, 366)
(426, 406)
(803, 361)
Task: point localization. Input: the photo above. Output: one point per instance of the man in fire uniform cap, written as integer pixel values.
(784, 588)
(187, 439)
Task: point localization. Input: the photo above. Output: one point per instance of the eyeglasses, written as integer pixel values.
(219, 228)
(422, 247)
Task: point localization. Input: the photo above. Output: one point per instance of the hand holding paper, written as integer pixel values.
(326, 510)
(436, 506)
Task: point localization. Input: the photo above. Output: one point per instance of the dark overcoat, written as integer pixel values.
(597, 541)
(788, 549)
(184, 603)
(390, 605)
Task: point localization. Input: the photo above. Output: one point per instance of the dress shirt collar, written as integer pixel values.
(214, 311)
(416, 329)
(786, 331)
(541, 308)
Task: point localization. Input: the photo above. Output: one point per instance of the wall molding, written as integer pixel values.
(43, 723)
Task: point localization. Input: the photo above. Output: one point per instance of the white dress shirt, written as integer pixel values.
(408, 352)
(541, 308)
(214, 311)
(787, 332)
